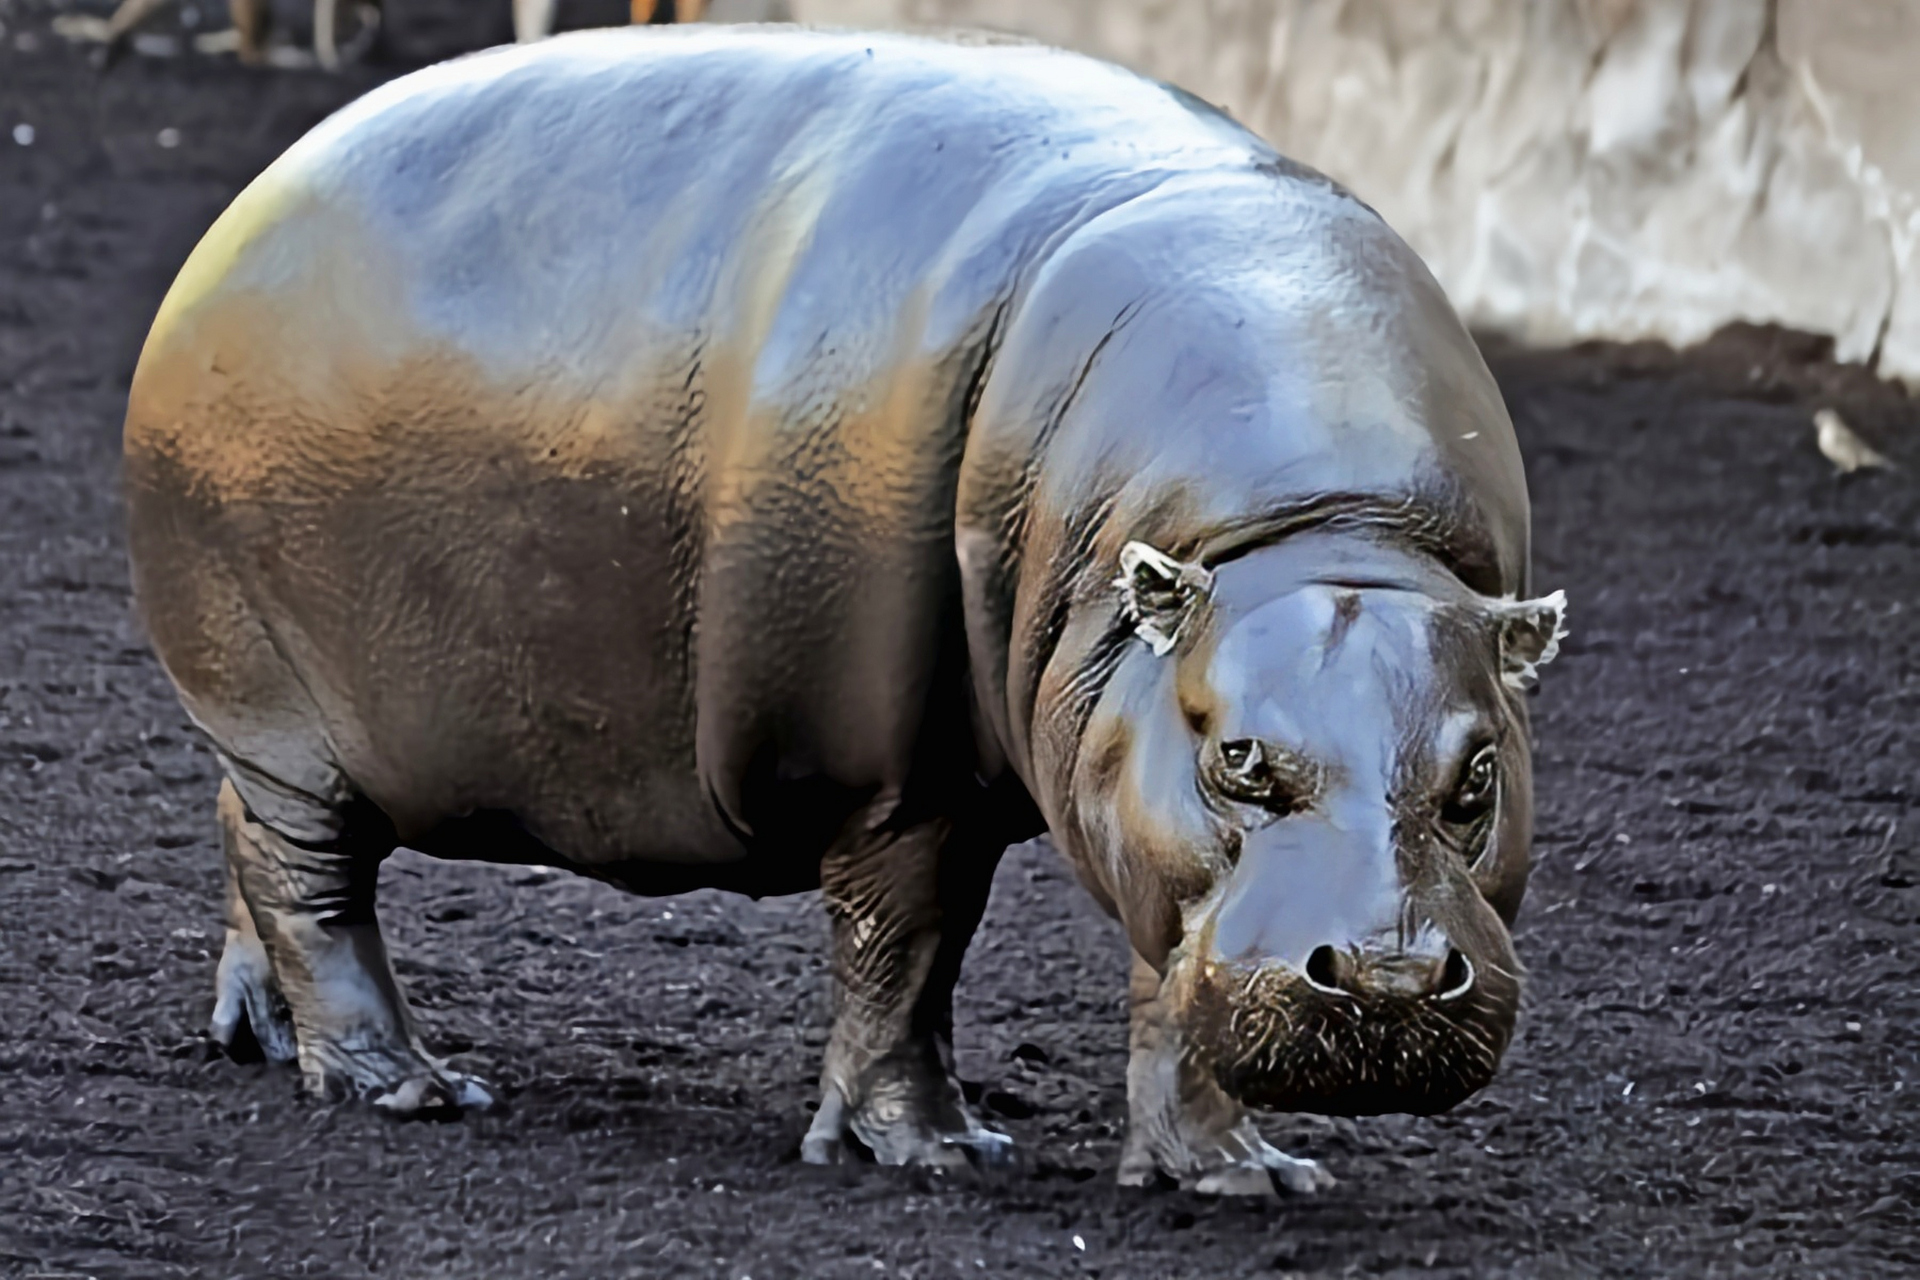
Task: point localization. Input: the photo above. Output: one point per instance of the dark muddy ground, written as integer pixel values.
(1717, 1068)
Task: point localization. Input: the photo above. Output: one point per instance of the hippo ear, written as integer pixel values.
(1530, 635)
(1157, 593)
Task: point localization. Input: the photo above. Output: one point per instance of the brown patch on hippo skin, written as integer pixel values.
(1138, 860)
(1164, 866)
(1105, 750)
(1097, 772)
(1346, 611)
(1199, 701)
(1133, 863)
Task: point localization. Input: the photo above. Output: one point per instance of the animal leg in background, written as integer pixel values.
(328, 50)
(131, 14)
(643, 11)
(249, 18)
(532, 20)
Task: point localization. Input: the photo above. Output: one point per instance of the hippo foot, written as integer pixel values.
(1237, 1162)
(401, 1082)
(250, 1017)
(1181, 1126)
(902, 1120)
(441, 1093)
(839, 1140)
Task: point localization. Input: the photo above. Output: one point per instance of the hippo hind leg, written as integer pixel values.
(903, 904)
(304, 956)
(303, 853)
(250, 1016)
(1182, 1125)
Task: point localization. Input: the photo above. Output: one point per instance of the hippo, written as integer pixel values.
(770, 460)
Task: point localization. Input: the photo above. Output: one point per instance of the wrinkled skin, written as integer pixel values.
(766, 460)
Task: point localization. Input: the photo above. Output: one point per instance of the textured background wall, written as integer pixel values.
(1571, 168)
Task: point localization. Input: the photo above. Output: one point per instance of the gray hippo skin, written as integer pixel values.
(768, 459)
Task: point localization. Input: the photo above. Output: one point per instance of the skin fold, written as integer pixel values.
(766, 460)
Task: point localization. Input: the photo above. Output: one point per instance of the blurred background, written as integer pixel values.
(1571, 169)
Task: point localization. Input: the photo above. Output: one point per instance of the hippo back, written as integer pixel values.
(582, 422)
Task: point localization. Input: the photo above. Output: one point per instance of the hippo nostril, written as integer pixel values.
(1324, 972)
(1457, 978)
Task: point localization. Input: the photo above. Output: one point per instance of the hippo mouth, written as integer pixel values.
(1277, 1043)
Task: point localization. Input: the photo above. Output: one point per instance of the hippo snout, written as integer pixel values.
(1386, 1023)
(1349, 965)
(1384, 1037)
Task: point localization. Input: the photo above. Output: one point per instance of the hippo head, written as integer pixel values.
(1306, 790)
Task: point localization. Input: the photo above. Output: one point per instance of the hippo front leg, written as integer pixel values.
(903, 905)
(1183, 1125)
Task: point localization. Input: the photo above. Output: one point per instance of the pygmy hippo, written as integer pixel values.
(770, 459)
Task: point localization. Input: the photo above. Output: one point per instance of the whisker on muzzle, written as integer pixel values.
(1274, 1042)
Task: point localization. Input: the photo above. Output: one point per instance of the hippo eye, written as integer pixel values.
(1479, 782)
(1244, 772)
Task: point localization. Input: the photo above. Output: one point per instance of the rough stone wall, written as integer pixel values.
(1571, 168)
